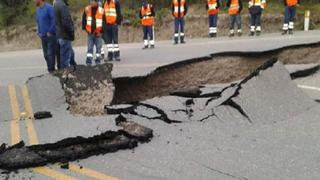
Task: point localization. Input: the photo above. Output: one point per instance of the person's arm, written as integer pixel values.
(66, 20)
(240, 6)
(218, 4)
(52, 28)
(140, 13)
(84, 20)
(185, 8)
(299, 2)
(229, 3)
(38, 23)
(207, 6)
(285, 2)
(172, 9)
(153, 12)
(119, 14)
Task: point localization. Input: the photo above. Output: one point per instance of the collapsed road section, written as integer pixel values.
(70, 149)
(216, 68)
(265, 96)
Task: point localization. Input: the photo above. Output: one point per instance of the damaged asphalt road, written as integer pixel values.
(221, 130)
(71, 149)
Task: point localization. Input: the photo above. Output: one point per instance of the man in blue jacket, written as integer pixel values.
(47, 32)
(65, 33)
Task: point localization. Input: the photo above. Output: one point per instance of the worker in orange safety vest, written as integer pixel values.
(234, 11)
(213, 11)
(92, 24)
(256, 8)
(147, 20)
(289, 15)
(179, 11)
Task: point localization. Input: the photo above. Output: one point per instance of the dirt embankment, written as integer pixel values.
(221, 68)
(25, 37)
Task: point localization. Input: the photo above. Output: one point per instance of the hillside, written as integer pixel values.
(18, 30)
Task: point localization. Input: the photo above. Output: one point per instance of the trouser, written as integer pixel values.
(49, 49)
(94, 41)
(111, 39)
(255, 22)
(289, 15)
(66, 53)
(213, 21)
(148, 35)
(179, 28)
(235, 20)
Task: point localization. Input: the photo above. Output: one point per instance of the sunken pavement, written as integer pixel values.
(260, 91)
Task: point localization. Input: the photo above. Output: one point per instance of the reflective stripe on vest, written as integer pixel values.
(110, 12)
(261, 3)
(147, 19)
(98, 16)
(292, 2)
(234, 7)
(212, 7)
(177, 7)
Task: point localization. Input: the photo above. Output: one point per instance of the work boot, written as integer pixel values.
(145, 47)
(284, 32)
(258, 33)
(89, 61)
(239, 33)
(117, 56)
(98, 61)
(110, 56)
(182, 41)
(214, 35)
(251, 33)
(211, 35)
(176, 39)
(290, 31)
(152, 46)
(102, 56)
(231, 34)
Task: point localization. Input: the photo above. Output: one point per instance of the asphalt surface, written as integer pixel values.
(286, 149)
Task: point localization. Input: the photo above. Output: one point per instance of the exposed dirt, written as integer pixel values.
(87, 89)
(219, 68)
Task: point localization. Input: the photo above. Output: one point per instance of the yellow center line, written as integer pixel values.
(14, 124)
(90, 173)
(33, 139)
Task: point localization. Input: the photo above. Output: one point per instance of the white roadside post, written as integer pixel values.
(306, 20)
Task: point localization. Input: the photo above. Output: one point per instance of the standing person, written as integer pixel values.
(147, 20)
(65, 33)
(92, 24)
(112, 19)
(213, 11)
(179, 10)
(235, 8)
(47, 32)
(289, 15)
(255, 8)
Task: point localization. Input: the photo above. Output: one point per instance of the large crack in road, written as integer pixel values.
(177, 93)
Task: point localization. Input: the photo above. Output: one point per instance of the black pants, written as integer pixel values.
(110, 36)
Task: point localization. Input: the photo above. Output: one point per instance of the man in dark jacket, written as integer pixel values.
(111, 19)
(65, 32)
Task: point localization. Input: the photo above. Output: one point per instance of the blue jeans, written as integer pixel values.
(147, 32)
(235, 20)
(49, 48)
(179, 26)
(289, 15)
(97, 42)
(66, 53)
(213, 20)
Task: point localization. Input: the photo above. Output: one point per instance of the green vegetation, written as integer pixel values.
(22, 12)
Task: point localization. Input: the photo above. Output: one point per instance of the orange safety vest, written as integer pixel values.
(98, 16)
(110, 12)
(257, 3)
(234, 7)
(147, 19)
(212, 7)
(292, 2)
(178, 6)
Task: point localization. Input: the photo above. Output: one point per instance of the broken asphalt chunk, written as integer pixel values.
(42, 115)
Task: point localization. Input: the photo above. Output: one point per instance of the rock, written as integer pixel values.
(42, 115)
(137, 131)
